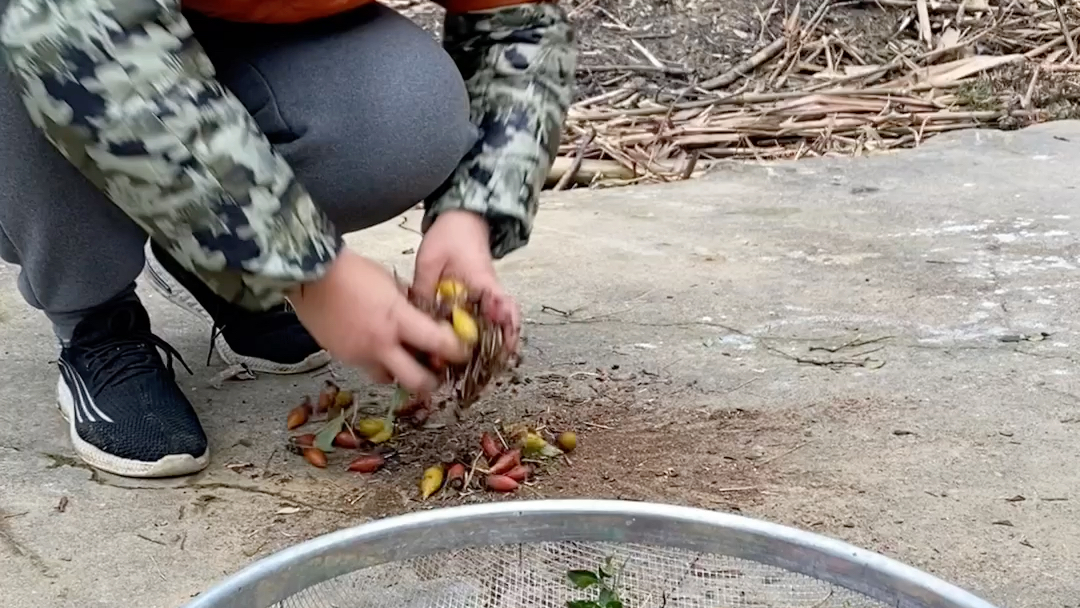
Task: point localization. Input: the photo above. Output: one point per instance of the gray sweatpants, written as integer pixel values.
(370, 112)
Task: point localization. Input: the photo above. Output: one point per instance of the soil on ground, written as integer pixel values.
(630, 447)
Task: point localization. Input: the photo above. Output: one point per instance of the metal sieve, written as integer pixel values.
(519, 554)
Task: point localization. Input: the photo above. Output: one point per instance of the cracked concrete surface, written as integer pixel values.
(914, 313)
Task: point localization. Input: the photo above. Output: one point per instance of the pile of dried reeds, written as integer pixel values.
(811, 92)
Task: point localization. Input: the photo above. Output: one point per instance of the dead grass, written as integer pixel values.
(669, 88)
(821, 84)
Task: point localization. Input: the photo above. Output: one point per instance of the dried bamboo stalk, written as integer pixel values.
(1065, 30)
(939, 7)
(824, 96)
(924, 23)
(745, 66)
(589, 171)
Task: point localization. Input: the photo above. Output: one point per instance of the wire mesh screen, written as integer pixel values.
(536, 576)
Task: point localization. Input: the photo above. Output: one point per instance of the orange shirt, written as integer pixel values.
(296, 11)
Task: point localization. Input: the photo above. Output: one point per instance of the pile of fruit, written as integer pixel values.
(497, 465)
(509, 466)
(338, 405)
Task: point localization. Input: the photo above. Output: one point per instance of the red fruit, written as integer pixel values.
(369, 463)
(347, 440)
(490, 447)
(501, 483)
(298, 416)
(519, 473)
(455, 477)
(316, 457)
(327, 396)
(506, 462)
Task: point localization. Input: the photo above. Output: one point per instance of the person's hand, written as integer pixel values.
(457, 246)
(360, 315)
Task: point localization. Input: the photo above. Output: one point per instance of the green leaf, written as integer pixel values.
(583, 579)
(615, 603)
(550, 451)
(582, 604)
(401, 397)
(324, 440)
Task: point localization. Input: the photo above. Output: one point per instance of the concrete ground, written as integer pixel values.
(903, 329)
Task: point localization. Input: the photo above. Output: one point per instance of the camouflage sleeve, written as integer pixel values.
(518, 63)
(124, 91)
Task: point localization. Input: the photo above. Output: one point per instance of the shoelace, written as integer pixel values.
(215, 331)
(126, 357)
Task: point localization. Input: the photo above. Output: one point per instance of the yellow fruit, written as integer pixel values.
(343, 399)
(534, 442)
(451, 290)
(370, 427)
(432, 480)
(382, 436)
(567, 441)
(464, 326)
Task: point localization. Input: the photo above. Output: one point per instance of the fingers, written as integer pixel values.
(503, 310)
(379, 375)
(426, 335)
(409, 373)
(425, 280)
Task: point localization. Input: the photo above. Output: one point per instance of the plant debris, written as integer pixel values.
(666, 91)
(238, 371)
(814, 84)
(604, 579)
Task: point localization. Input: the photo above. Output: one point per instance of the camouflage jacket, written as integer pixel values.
(123, 90)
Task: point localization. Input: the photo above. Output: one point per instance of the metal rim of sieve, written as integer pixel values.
(280, 575)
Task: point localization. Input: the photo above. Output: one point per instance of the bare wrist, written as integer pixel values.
(300, 290)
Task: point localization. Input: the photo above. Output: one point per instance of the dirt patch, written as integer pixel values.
(625, 450)
(725, 459)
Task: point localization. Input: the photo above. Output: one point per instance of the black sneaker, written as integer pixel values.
(126, 414)
(273, 341)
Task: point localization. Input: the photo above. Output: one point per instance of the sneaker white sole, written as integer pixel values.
(173, 465)
(173, 291)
